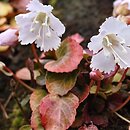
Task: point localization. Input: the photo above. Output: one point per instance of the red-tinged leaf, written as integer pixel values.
(90, 127)
(79, 120)
(36, 97)
(115, 101)
(69, 55)
(94, 112)
(85, 93)
(83, 128)
(81, 92)
(9, 37)
(36, 121)
(60, 83)
(58, 113)
(77, 37)
(100, 120)
(24, 74)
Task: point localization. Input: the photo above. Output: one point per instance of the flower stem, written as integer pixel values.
(123, 76)
(122, 105)
(8, 100)
(123, 118)
(4, 111)
(128, 99)
(36, 55)
(91, 83)
(98, 87)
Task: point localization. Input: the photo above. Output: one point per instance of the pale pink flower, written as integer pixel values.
(9, 37)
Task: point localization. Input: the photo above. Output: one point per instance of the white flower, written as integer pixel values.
(118, 2)
(111, 46)
(40, 26)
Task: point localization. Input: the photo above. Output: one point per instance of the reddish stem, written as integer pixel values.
(128, 99)
(91, 83)
(4, 111)
(36, 55)
(122, 105)
(123, 76)
(19, 80)
(98, 87)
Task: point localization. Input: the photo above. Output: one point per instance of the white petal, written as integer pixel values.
(48, 43)
(24, 21)
(124, 57)
(128, 2)
(103, 63)
(21, 18)
(125, 34)
(56, 25)
(96, 43)
(117, 2)
(112, 26)
(36, 6)
(26, 37)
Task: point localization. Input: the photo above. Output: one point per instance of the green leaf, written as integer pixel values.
(25, 100)
(60, 83)
(53, 2)
(26, 127)
(116, 88)
(117, 77)
(36, 97)
(40, 80)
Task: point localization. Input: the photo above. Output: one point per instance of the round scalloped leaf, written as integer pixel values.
(60, 83)
(90, 127)
(69, 55)
(58, 113)
(36, 121)
(36, 97)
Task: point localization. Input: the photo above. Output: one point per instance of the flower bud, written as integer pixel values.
(96, 75)
(121, 8)
(2, 65)
(125, 19)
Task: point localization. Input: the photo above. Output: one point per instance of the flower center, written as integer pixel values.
(42, 20)
(111, 44)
